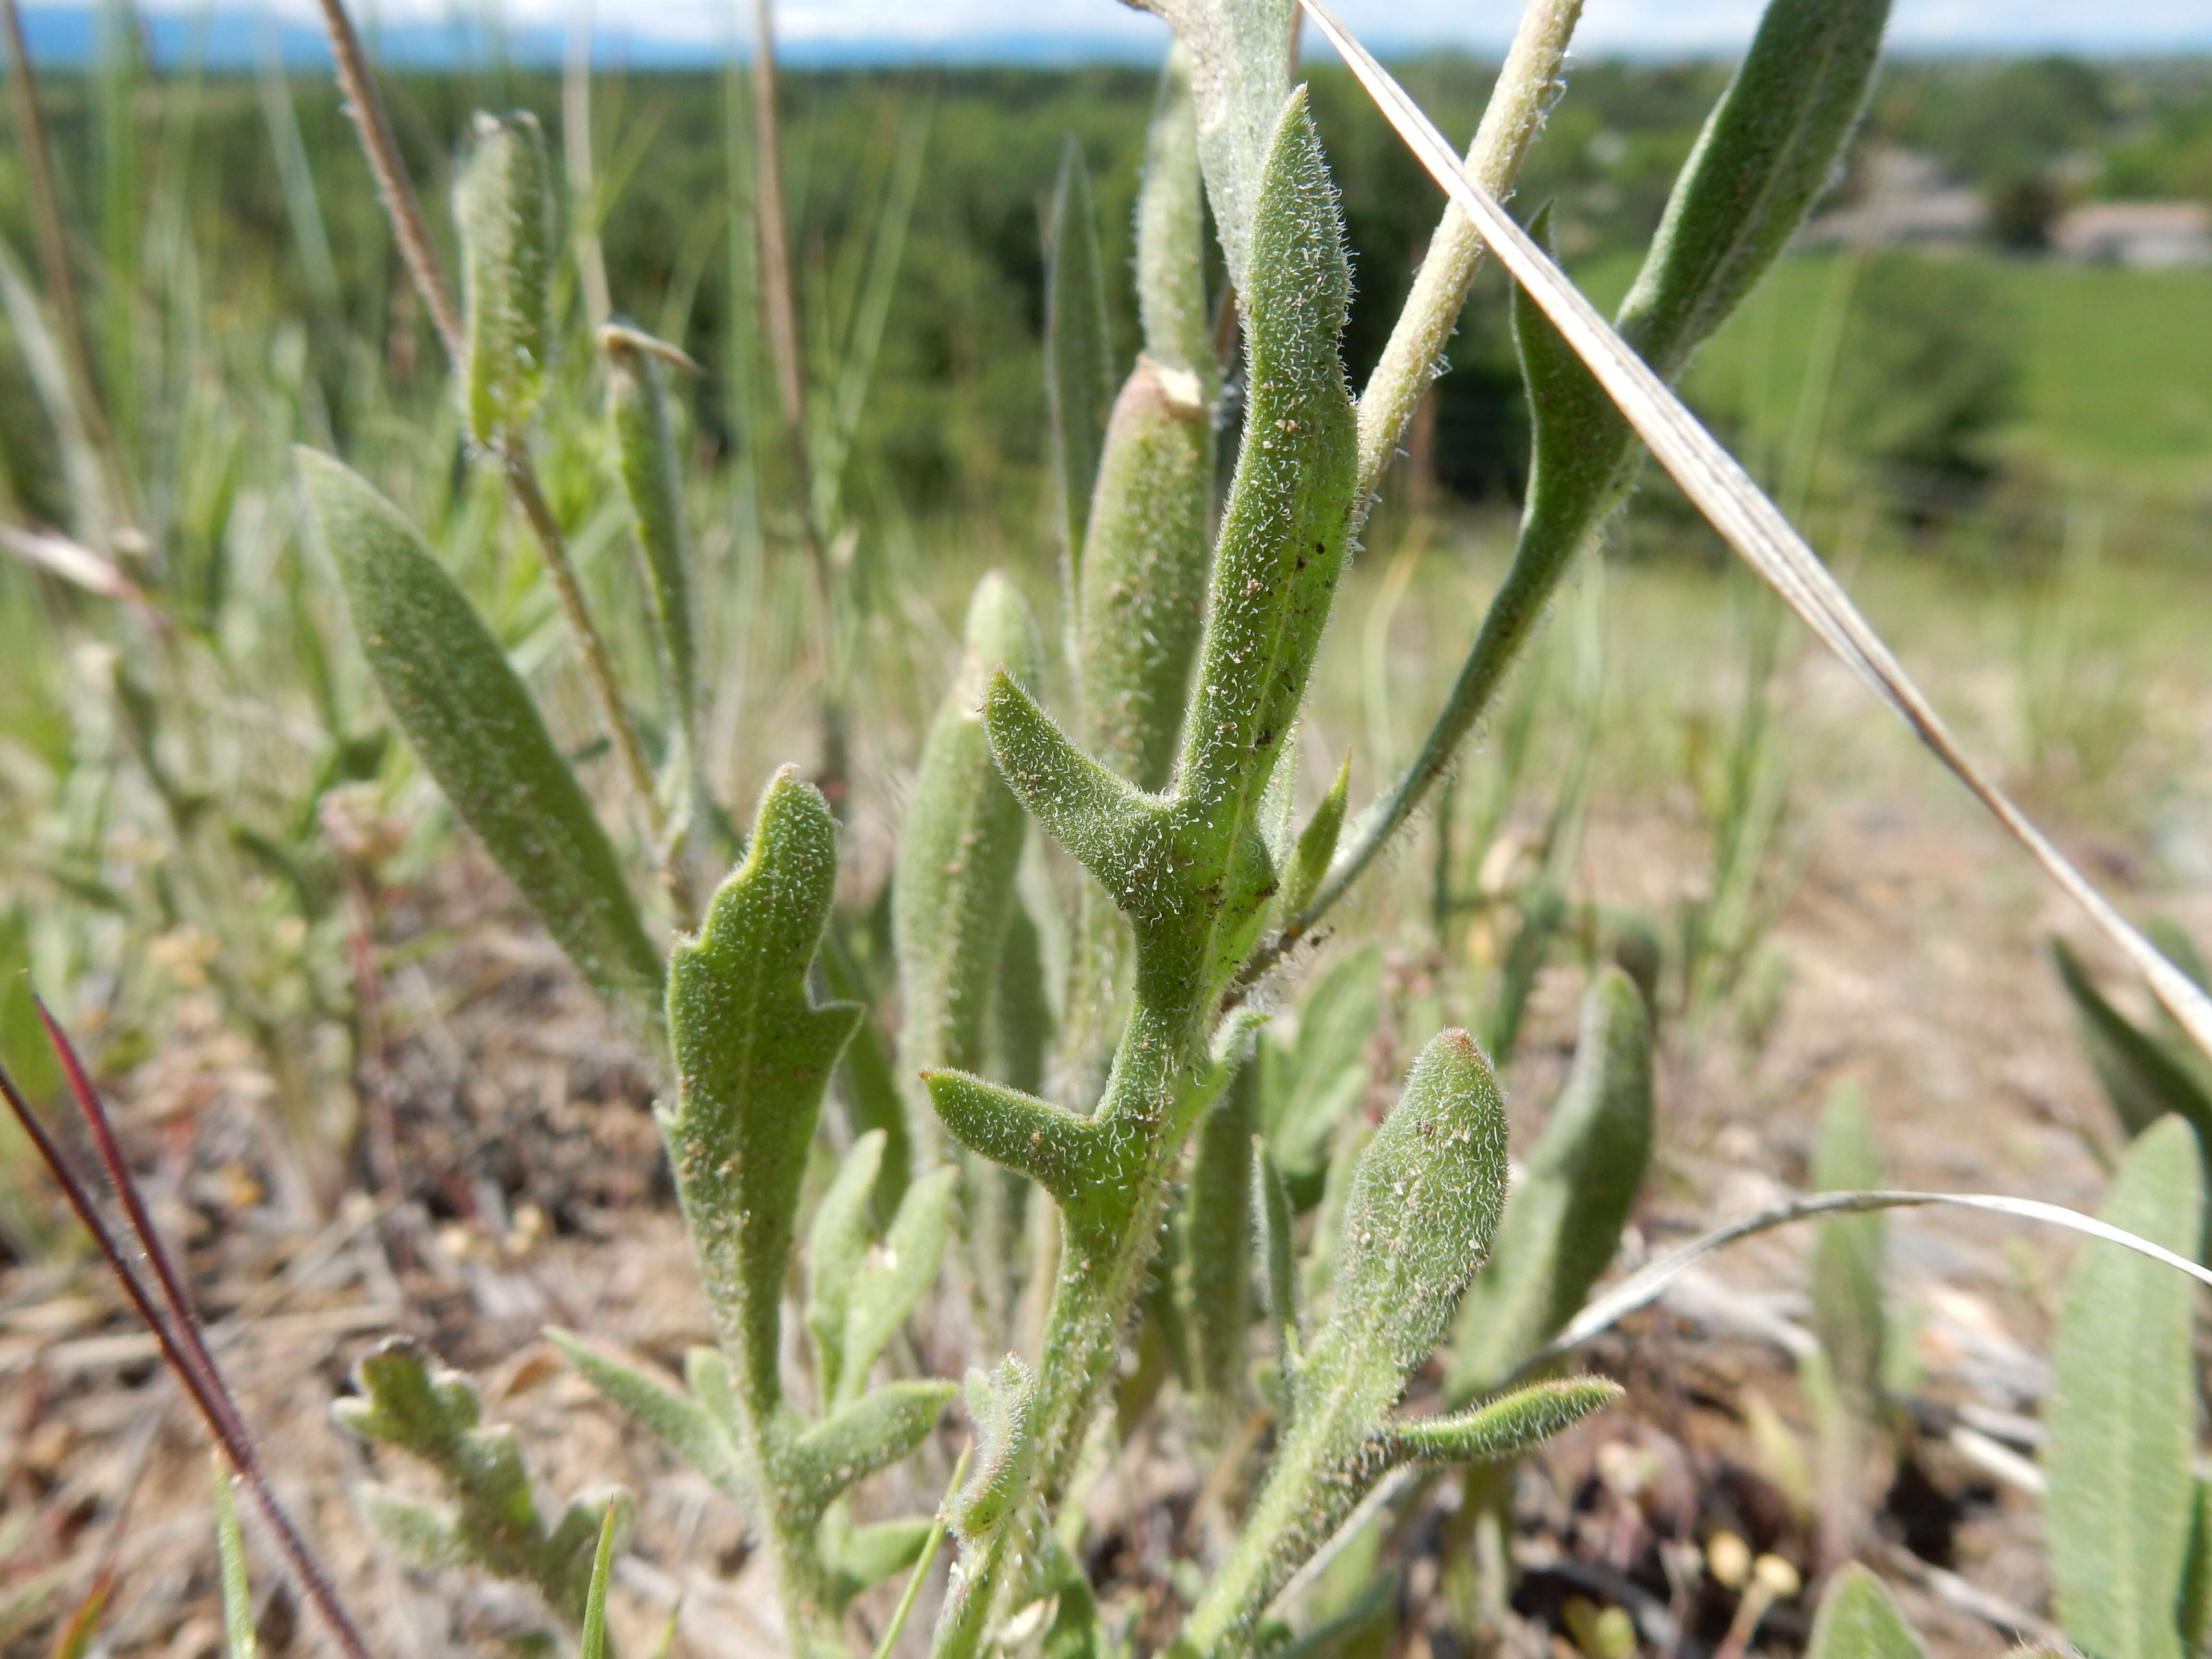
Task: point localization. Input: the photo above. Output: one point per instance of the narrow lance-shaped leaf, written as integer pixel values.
(503, 210)
(1217, 1233)
(837, 1244)
(2120, 1422)
(593, 1642)
(1848, 1315)
(1564, 1219)
(1143, 579)
(1078, 359)
(683, 1424)
(1765, 155)
(1171, 235)
(1858, 1620)
(892, 1278)
(810, 1470)
(2143, 1078)
(477, 730)
(959, 852)
(1240, 68)
(1498, 1430)
(652, 479)
(753, 1056)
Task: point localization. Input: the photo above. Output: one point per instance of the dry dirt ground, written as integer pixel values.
(1913, 942)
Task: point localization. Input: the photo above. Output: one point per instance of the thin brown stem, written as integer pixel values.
(173, 1323)
(598, 667)
(366, 106)
(53, 249)
(779, 296)
(408, 228)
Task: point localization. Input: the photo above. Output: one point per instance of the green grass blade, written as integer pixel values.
(1078, 358)
(593, 1643)
(238, 1639)
(1848, 1315)
(475, 729)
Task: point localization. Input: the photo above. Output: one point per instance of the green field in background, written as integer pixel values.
(2115, 366)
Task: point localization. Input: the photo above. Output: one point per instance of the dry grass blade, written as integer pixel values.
(1648, 1283)
(173, 1322)
(1741, 513)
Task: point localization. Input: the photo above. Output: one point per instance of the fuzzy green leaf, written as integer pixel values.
(1564, 1219)
(1217, 1245)
(1077, 355)
(1142, 587)
(753, 1056)
(872, 1432)
(1424, 1203)
(652, 479)
(2144, 1080)
(835, 1245)
(1066, 1155)
(1110, 826)
(239, 1640)
(1858, 1620)
(1765, 155)
(420, 1534)
(890, 1279)
(860, 1558)
(1271, 1214)
(504, 210)
(1000, 1405)
(1322, 1081)
(475, 729)
(1500, 1429)
(1284, 529)
(1240, 61)
(1317, 843)
(1848, 1250)
(960, 849)
(683, 1425)
(1171, 235)
(2120, 1420)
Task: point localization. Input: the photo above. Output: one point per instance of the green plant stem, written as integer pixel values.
(1527, 83)
(599, 668)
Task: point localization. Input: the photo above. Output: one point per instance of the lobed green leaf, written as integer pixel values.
(753, 1056)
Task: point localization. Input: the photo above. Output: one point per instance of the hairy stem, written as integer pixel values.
(1526, 85)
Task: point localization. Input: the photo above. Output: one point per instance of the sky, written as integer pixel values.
(1636, 26)
(1071, 29)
